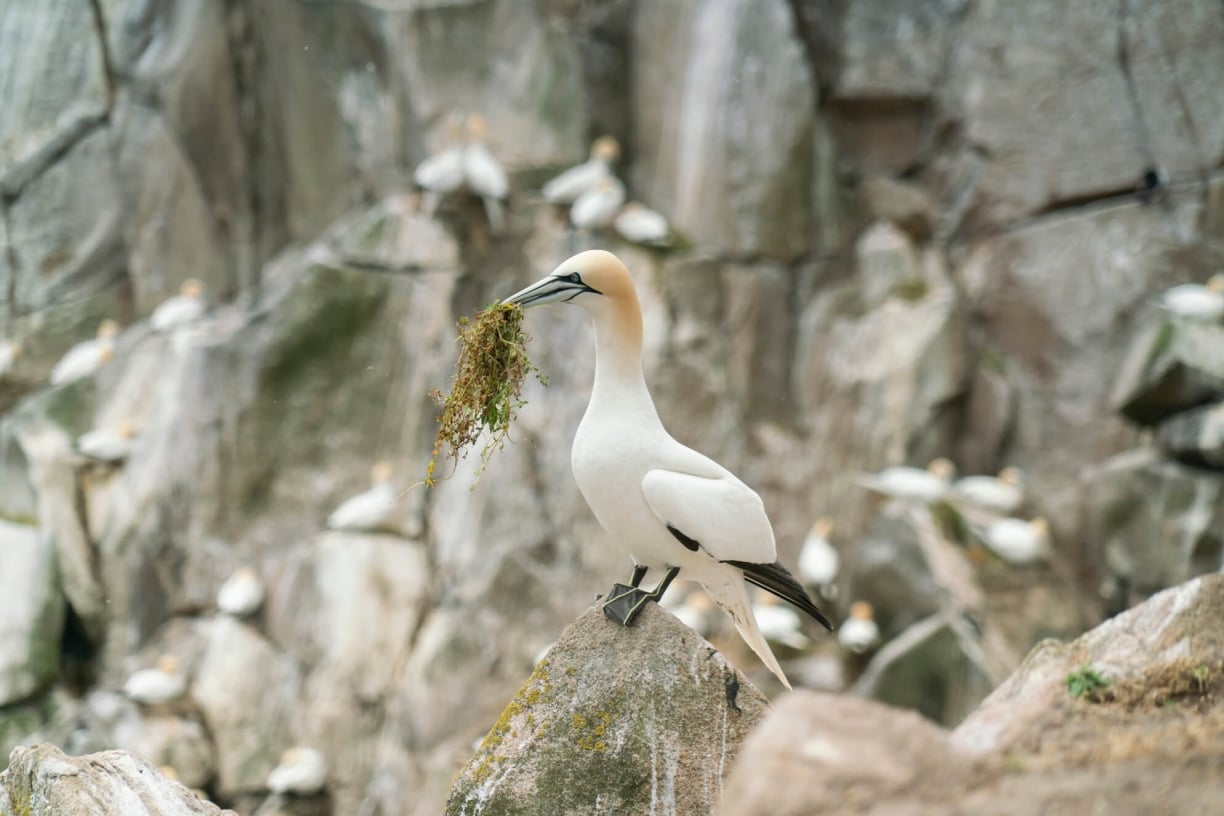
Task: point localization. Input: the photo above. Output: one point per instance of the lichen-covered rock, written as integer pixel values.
(44, 781)
(33, 617)
(615, 720)
(1169, 368)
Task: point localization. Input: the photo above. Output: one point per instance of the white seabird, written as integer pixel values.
(443, 172)
(639, 224)
(860, 633)
(185, 307)
(779, 624)
(484, 174)
(913, 484)
(10, 350)
(819, 560)
(1003, 494)
(693, 610)
(157, 686)
(597, 207)
(88, 356)
(110, 445)
(301, 772)
(1017, 541)
(1194, 301)
(565, 188)
(672, 508)
(369, 510)
(242, 593)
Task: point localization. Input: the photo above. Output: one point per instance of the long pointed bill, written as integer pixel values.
(551, 289)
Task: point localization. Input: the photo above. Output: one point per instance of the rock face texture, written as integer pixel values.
(905, 230)
(615, 720)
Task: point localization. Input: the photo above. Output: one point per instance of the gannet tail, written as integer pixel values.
(728, 589)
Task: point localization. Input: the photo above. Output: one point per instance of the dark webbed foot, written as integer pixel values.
(625, 602)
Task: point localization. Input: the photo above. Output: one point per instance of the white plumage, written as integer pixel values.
(642, 225)
(10, 350)
(860, 633)
(693, 610)
(1194, 301)
(565, 188)
(88, 356)
(185, 307)
(110, 445)
(242, 593)
(780, 624)
(369, 510)
(484, 174)
(818, 560)
(301, 772)
(1003, 494)
(1017, 541)
(912, 484)
(442, 173)
(597, 207)
(157, 686)
(669, 506)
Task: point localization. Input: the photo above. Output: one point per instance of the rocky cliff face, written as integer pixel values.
(910, 230)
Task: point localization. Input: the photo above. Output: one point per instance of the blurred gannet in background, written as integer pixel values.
(10, 350)
(1195, 301)
(818, 560)
(1003, 494)
(913, 484)
(369, 510)
(640, 225)
(597, 207)
(1017, 541)
(301, 772)
(442, 173)
(859, 633)
(693, 610)
(111, 445)
(157, 686)
(669, 506)
(779, 624)
(242, 593)
(185, 307)
(88, 356)
(484, 174)
(565, 188)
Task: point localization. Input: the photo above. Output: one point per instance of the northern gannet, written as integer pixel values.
(88, 356)
(442, 173)
(242, 593)
(1017, 541)
(157, 686)
(484, 174)
(185, 307)
(578, 179)
(597, 207)
(779, 624)
(10, 350)
(111, 445)
(1003, 494)
(818, 560)
(369, 510)
(913, 484)
(859, 633)
(301, 772)
(693, 610)
(1194, 301)
(671, 508)
(638, 224)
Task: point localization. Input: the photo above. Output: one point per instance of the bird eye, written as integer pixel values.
(573, 277)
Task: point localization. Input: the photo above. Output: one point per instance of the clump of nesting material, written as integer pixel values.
(486, 393)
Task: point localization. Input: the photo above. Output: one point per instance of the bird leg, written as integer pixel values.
(639, 572)
(625, 602)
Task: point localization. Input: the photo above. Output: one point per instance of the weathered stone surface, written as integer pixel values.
(1195, 437)
(617, 719)
(1157, 523)
(33, 613)
(1169, 368)
(174, 742)
(887, 264)
(895, 49)
(43, 781)
(906, 205)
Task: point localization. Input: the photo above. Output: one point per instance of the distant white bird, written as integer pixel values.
(779, 624)
(1194, 301)
(185, 307)
(1003, 494)
(693, 610)
(819, 560)
(301, 772)
(110, 445)
(565, 188)
(1017, 541)
(88, 356)
(10, 350)
(859, 633)
(369, 510)
(157, 686)
(669, 506)
(484, 174)
(242, 593)
(597, 207)
(443, 172)
(913, 484)
(640, 225)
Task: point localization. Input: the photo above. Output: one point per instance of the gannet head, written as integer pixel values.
(942, 468)
(381, 472)
(1011, 475)
(191, 288)
(821, 527)
(127, 429)
(594, 272)
(107, 328)
(168, 664)
(1216, 282)
(477, 128)
(861, 610)
(605, 148)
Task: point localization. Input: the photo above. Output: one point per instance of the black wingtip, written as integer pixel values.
(776, 579)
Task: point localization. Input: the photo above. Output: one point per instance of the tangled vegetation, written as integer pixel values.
(486, 393)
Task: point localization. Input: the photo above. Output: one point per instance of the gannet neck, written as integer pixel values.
(619, 378)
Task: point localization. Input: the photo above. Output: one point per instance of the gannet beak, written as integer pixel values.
(551, 289)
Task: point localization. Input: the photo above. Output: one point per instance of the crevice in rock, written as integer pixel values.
(1143, 136)
(244, 66)
(1201, 157)
(26, 172)
(819, 31)
(10, 253)
(108, 70)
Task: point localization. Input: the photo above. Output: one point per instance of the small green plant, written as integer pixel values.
(486, 393)
(1086, 682)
